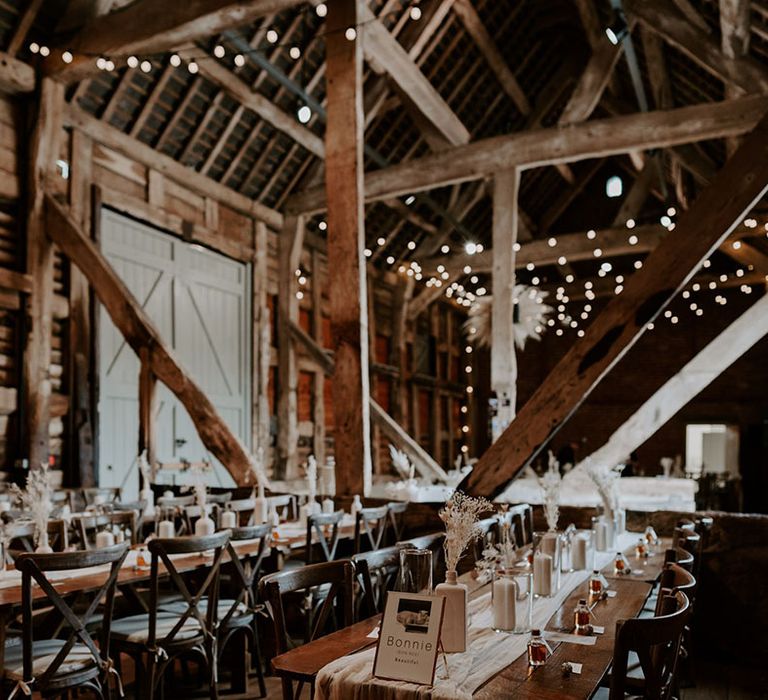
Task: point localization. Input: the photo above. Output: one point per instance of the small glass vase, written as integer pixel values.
(415, 571)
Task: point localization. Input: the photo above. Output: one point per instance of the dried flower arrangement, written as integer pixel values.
(37, 499)
(607, 481)
(460, 515)
(256, 465)
(550, 483)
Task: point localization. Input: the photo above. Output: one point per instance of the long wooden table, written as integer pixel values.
(129, 576)
(517, 679)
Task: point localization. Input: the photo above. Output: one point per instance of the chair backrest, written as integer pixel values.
(326, 527)
(34, 567)
(87, 525)
(92, 496)
(521, 517)
(370, 526)
(396, 514)
(21, 535)
(162, 550)
(247, 567)
(243, 509)
(376, 572)
(680, 557)
(286, 504)
(656, 641)
(338, 575)
(675, 578)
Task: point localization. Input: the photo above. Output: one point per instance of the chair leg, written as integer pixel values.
(210, 656)
(240, 661)
(151, 673)
(287, 689)
(257, 661)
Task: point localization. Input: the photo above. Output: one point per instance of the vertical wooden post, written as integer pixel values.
(318, 389)
(398, 355)
(503, 359)
(346, 242)
(291, 241)
(44, 149)
(261, 342)
(147, 407)
(81, 434)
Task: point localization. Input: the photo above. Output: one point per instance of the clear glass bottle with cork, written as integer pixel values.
(538, 649)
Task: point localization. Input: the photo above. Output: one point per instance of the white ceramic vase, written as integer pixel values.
(453, 634)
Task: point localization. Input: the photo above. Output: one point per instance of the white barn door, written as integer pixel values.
(200, 303)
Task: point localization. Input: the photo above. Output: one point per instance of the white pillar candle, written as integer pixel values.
(5, 506)
(104, 539)
(328, 505)
(165, 529)
(228, 520)
(542, 574)
(601, 536)
(504, 596)
(204, 526)
(579, 552)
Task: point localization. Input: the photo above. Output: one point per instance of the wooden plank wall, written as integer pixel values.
(435, 381)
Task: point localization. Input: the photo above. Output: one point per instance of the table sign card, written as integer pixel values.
(409, 638)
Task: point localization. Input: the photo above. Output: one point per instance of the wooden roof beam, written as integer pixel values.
(148, 26)
(592, 139)
(716, 212)
(574, 246)
(490, 51)
(385, 55)
(147, 156)
(742, 72)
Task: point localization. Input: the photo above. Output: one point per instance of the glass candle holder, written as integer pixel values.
(415, 571)
(512, 601)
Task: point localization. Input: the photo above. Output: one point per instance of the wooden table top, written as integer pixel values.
(517, 679)
(11, 595)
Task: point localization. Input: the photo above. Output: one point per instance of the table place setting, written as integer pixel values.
(471, 654)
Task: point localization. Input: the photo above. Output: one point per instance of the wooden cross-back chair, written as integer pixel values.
(21, 535)
(327, 542)
(370, 528)
(53, 666)
(87, 525)
(680, 557)
(376, 573)
(237, 614)
(160, 636)
(286, 505)
(396, 514)
(656, 642)
(335, 612)
(243, 509)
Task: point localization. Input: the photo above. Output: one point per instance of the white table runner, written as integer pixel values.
(488, 653)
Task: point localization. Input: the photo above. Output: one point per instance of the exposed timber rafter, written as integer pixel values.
(702, 370)
(141, 334)
(148, 26)
(715, 213)
(385, 54)
(740, 71)
(593, 139)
